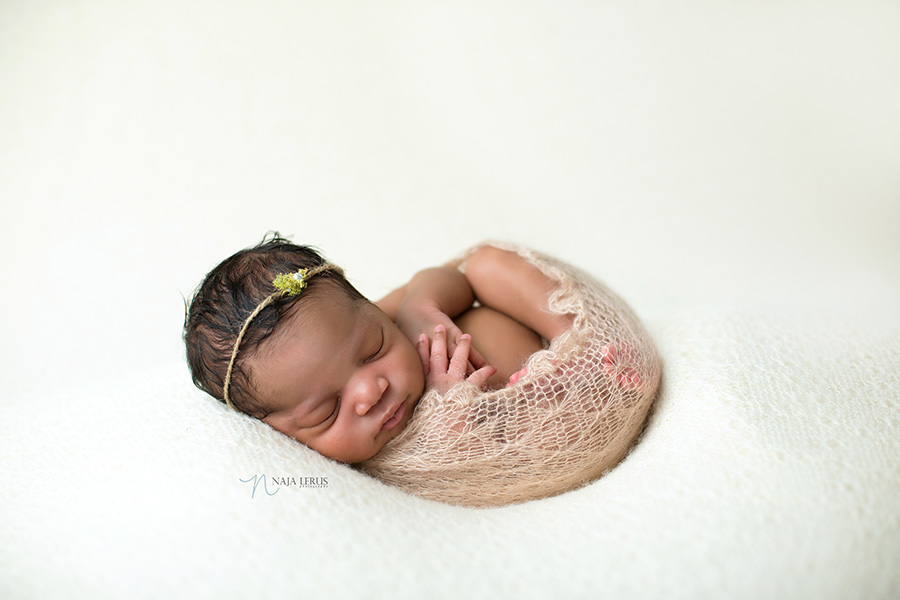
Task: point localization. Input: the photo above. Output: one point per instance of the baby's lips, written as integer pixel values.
(395, 417)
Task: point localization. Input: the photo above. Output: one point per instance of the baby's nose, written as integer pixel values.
(370, 395)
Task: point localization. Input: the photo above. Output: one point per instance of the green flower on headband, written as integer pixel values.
(291, 284)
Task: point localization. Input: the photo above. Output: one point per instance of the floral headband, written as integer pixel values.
(286, 284)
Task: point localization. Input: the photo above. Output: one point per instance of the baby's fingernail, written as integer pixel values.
(422, 338)
(438, 328)
(465, 336)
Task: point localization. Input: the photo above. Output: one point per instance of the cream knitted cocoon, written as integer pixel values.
(573, 416)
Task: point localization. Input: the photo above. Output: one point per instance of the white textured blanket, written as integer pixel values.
(779, 480)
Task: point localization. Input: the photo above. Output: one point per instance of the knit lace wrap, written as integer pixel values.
(572, 417)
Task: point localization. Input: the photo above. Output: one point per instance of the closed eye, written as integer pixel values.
(337, 406)
(375, 354)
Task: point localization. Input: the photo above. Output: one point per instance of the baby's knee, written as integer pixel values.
(488, 261)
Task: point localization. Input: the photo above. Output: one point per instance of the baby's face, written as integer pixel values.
(339, 377)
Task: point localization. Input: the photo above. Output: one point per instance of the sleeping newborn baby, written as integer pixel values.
(501, 377)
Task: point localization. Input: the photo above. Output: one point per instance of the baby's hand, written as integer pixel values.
(417, 325)
(443, 373)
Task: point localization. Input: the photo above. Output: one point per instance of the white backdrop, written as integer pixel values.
(697, 156)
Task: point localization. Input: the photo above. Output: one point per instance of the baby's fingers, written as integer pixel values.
(476, 358)
(424, 353)
(438, 360)
(460, 360)
(481, 376)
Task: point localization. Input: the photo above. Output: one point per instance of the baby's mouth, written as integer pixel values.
(395, 418)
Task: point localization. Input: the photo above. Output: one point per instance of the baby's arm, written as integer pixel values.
(514, 295)
(432, 297)
(499, 279)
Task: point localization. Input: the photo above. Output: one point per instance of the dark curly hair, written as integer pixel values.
(227, 296)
